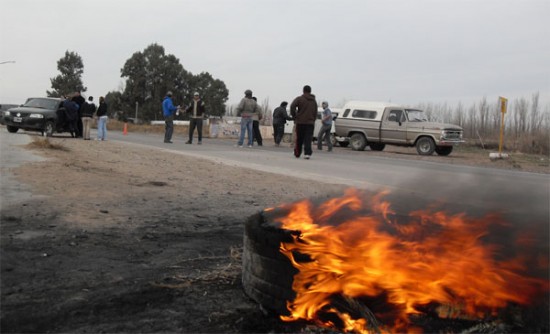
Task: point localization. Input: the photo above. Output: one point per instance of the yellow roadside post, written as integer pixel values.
(503, 105)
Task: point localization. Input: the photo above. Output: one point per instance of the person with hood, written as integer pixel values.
(304, 112)
(326, 127)
(168, 110)
(246, 109)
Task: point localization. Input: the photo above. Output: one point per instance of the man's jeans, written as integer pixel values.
(102, 127)
(169, 128)
(324, 133)
(246, 126)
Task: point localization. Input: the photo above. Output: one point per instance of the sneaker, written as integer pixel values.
(307, 157)
(249, 146)
(239, 146)
(189, 142)
(166, 141)
(199, 143)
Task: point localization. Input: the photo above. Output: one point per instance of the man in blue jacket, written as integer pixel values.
(168, 109)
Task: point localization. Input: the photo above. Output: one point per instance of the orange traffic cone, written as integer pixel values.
(125, 130)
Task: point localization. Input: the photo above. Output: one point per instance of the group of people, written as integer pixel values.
(196, 111)
(79, 115)
(303, 111)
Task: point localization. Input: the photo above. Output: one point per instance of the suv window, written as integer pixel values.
(363, 113)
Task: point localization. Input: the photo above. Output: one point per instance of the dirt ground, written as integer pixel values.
(130, 239)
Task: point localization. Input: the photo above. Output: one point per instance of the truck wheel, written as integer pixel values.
(49, 129)
(358, 142)
(443, 150)
(425, 146)
(12, 129)
(377, 146)
(333, 139)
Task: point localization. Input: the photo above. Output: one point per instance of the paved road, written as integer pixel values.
(520, 196)
(464, 185)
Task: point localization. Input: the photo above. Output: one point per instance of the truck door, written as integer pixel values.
(393, 128)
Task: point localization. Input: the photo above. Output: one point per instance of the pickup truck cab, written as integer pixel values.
(378, 124)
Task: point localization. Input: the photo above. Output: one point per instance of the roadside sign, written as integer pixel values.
(503, 103)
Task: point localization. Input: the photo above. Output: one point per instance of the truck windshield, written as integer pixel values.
(416, 115)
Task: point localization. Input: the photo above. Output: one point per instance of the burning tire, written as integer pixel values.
(267, 273)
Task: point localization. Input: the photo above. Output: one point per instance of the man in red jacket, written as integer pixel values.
(304, 111)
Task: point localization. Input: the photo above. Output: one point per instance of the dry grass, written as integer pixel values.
(45, 144)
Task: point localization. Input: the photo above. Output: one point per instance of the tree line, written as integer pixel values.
(526, 122)
(150, 73)
(147, 75)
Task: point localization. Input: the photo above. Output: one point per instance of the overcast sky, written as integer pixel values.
(404, 51)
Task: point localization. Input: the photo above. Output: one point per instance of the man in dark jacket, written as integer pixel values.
(304, 111)
(79, 99)
(196, 114)
(87, 112)
(71, 115)
(280, 116)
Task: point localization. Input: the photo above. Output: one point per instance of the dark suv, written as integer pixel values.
(43, 114)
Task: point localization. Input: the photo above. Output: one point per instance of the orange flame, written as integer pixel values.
(431, 257)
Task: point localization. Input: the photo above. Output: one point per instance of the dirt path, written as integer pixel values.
(133, 240)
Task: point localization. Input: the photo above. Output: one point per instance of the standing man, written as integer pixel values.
(256, 118)
(280, 116)
(326, 121)
(79, 99)
(246, 109)
(88, 111)
(168, 110)
(304, 111)
(71, 115)
(196, 109)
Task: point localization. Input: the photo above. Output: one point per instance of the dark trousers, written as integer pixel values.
(195, 123)
(304, 136)
(168, 128)
(278, 132)
(257, 133)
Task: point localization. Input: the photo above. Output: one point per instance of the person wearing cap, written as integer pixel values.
(196, 111)
(168, 110)
(280, 116)
(304, 111)
(326, 127)
(246, 110)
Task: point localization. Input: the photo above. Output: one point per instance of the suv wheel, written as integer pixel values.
(358, 142)
(12, 129)
(425, 146)
(49, 129)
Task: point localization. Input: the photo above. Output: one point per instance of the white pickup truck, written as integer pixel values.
(378, 124)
